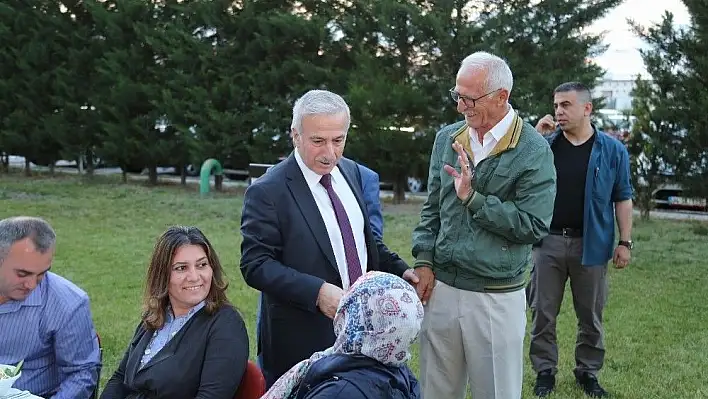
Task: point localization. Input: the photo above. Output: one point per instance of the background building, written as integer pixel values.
(617, 91)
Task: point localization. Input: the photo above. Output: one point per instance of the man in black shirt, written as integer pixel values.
(571, 161)
(592, 181)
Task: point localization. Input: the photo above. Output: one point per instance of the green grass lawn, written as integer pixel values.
(656, 319)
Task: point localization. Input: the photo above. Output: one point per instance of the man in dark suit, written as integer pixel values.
(306, 238)
(372, 200)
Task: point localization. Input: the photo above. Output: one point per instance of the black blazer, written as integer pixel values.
(286, 254)
(205, 359)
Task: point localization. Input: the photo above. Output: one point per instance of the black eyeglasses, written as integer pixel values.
(456, 97)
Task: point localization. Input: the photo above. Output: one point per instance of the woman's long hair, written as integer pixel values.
(156, 296)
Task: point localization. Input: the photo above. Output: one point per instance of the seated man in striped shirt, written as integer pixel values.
(45, 319)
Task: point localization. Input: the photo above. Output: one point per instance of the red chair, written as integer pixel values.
(253, 384)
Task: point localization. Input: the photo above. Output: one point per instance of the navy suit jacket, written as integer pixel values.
(372, 199)
(287, 255)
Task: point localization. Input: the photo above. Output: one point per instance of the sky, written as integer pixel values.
(622, 59)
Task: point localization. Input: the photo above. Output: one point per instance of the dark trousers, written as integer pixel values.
(556, 261)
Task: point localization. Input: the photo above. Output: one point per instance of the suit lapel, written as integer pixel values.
(306, 203)
(163, 354)
(166, 352)
(136, 355)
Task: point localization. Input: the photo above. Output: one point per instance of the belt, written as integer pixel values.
(567, 232)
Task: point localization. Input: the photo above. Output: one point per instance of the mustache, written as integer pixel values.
(324, 160)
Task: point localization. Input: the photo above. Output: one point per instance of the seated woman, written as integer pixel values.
(376, 322)
(191, 342)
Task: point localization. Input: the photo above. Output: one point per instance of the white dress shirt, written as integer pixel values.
(491, 138)
(351, 206)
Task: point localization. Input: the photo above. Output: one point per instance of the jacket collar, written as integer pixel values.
(300, 188)
(508, 142)
(142, 340)
(600, 136)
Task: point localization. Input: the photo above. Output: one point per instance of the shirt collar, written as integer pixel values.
(597, 133)
(502, 127)
(311, 177)
(170, 316)
(35, 298)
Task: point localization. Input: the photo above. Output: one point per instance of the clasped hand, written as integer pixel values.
(328, 299)
(330, 295)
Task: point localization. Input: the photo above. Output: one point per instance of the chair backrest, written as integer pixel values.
(253, 384)
(94, 395)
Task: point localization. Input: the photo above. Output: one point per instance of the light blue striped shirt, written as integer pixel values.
(162, 336)
(52, 331)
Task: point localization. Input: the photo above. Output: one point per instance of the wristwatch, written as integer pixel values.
(629, 244)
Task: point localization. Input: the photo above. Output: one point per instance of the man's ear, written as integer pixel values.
(504, 95)
(295, 136)
(588, 108)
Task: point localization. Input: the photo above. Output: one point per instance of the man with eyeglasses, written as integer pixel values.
(491, 189)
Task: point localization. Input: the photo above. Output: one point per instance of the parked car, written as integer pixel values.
(671, 196)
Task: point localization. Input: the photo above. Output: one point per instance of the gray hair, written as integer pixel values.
(499, 74)
(318, 102)
(19, 228)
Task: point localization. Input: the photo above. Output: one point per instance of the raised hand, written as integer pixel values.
(546, 125)
(463, 178)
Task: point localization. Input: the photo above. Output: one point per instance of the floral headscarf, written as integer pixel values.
(379, 317)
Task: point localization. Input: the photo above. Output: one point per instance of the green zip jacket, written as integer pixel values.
(484, 242)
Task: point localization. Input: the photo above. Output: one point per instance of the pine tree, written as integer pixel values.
(677, 61)
(654, 135)
(30, 57)
(75, 124)
(143, 45)
(546, 44)
(386, 42)
(692, 99)
(657, 135)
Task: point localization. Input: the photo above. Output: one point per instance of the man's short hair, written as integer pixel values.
(18, 228)
(582, 90)
(318, 102)
(499, 74)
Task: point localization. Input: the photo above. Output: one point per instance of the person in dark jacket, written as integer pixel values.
(191, 342)
(371, 192)
(377, 320)
(305, 237)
